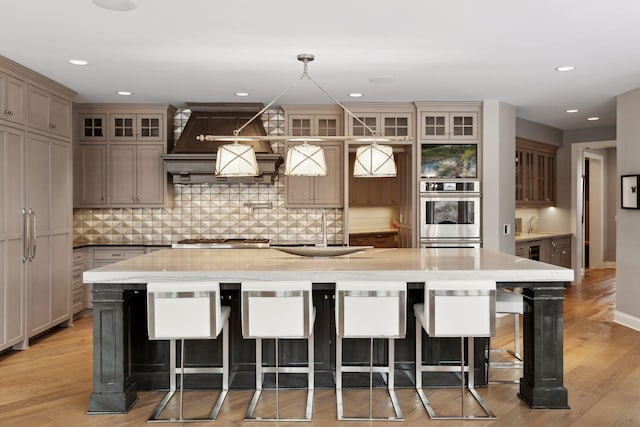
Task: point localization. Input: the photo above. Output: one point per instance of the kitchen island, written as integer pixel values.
(125, 360)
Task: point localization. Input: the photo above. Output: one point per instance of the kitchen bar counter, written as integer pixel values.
(123, 355)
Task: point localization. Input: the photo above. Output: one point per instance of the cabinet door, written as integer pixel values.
(122, 127)
(149, 127)
(396, 124)
(60, 116)
(371, 120)
(435, 125)
(300, 124)
(150, 178)
(329, 189)
(90, 181)
(92, 127)
(122, 177)
(12, 284)
(300, 191)
(12, 99)
(463, 126)
(38, 109)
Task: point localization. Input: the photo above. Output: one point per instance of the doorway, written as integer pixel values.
(602, 190)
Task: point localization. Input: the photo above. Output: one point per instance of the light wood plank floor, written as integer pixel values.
(49, 384)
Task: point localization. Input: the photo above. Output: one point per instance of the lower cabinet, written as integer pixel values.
(552, 250)
(78, 267)
(377, 240)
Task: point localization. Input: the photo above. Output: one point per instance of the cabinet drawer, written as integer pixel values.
(77, 300)
(78, 257)
(114, 255)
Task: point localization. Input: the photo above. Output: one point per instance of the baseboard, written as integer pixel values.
(610, 264)
(626, 320)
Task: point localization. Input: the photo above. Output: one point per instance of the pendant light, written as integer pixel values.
(305, 160)
(374, 161)
(236, 159)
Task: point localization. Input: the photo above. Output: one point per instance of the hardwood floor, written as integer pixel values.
(49, 384)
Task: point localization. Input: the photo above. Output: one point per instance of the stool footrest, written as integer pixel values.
(167, 397)
(256, 397)
(394, 401)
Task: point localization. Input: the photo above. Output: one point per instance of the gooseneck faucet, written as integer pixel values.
(533, 221)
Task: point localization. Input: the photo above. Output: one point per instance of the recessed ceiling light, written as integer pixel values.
(593, 118)
(124, 92)
(78, 62)
(566, 68)
(117, 5)
(572, 111)
(355, 94)
(242, 93)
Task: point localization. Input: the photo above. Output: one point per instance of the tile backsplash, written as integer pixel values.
(213, 211)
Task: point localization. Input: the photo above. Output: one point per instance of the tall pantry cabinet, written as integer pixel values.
(35, 205)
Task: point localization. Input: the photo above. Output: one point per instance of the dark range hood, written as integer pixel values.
(193, 162)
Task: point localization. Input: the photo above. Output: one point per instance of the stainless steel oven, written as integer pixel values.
(449, 210)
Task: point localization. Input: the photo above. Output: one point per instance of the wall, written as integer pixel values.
(538, 132)
(498, 176)
(212, 211)
(627, 309)
(605, 133)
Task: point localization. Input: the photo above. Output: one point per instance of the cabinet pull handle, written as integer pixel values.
(117, 255)
(25, 235)
(32, 253)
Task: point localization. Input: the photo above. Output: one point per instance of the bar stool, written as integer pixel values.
(507, 302)
(182, 311)
(455, 308)
(370, 310)
(274, 310)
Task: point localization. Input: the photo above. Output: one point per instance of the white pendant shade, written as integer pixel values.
(305, 160)
(374, 161)
(236, 160)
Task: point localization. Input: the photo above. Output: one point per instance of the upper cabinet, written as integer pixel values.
(319, 191)
(49, 113)
(117, 155)
(448, 125)
(387, 123)
(535, 174)
(137, 127)
(13, 105)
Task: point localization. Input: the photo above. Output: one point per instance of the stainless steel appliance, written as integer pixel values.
(449, 213)
(222, 244)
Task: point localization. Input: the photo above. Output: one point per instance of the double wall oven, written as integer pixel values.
(449, 213)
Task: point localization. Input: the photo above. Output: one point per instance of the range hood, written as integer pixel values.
(193, 162)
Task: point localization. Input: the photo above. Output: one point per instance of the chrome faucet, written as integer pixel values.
(533, 221)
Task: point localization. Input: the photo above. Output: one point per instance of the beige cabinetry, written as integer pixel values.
(48, 112)
(12, 263)
(49, 200)
(319, 191)
(78, 267)
(35, 205)
(13, 105)
(535, 174)
(90, 175)
(384, 123)
(136, 175)
(372, 191)
(137, 127)
(117, 155)
(443, 125)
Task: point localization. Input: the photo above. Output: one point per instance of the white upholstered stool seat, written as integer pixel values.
(183, 311)
(455, 308)
(510, 303)
(368, 309)
(275, 310)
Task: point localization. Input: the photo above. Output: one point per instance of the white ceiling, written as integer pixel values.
(170, 51)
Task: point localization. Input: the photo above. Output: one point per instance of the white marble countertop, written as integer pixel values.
(410, 265)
